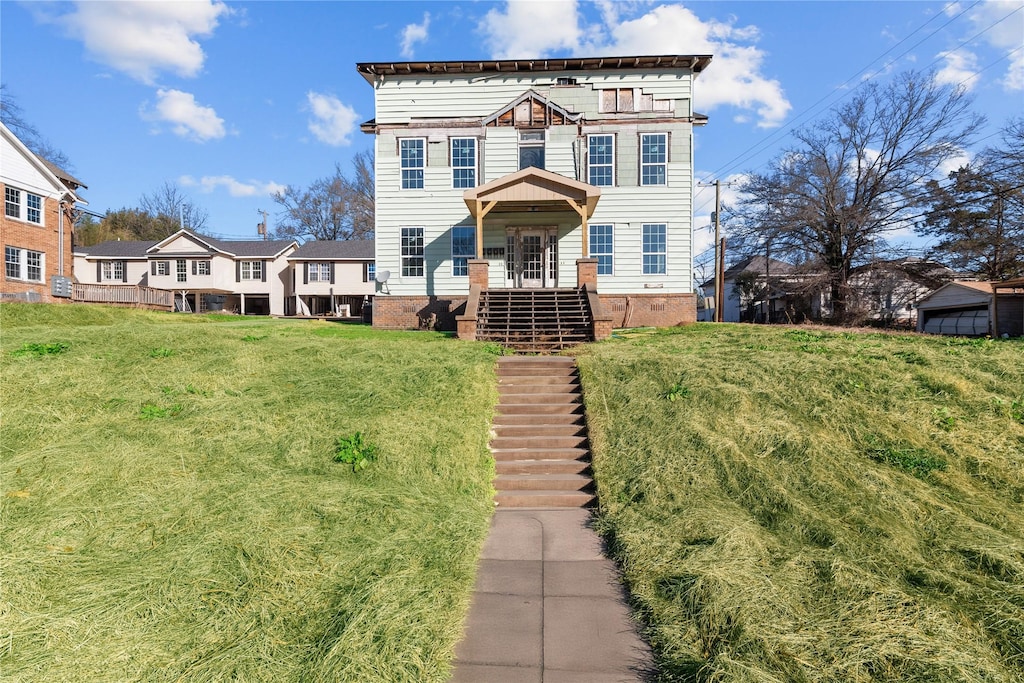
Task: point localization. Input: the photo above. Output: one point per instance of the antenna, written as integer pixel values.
(261, 228)
(382, 279)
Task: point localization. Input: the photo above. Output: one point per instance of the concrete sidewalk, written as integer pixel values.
(548, 607)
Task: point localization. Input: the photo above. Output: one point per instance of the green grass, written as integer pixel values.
(808, 505)
(171, 508)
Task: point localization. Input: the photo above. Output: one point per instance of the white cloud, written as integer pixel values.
(960, 68)
(333, 120)
(529, 29)
(235, 188)
(1002, 25)
(414, 33)
(187, 117)
(142, 39)
(954, 164)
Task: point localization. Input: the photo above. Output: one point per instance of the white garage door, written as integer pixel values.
(966, 323)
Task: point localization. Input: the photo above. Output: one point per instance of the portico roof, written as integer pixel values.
(532, 187)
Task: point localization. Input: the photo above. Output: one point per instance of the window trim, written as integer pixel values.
(402, 168)
(591, 165)
(21, 260)
(662, 164)
(255, 271)
(460, 261)
(644, 252)
(475, 168)
(322, 270)
(410, 253)
(610, 254)
(203, 267)
(109, 271)
(532, 144)
(180, 270)
(21, 201)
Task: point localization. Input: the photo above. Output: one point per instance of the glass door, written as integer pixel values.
(532, 246)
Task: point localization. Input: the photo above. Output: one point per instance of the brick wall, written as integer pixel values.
(45, 238)
(412, 312)
(649, 310)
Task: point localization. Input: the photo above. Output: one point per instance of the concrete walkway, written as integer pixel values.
(548, 607)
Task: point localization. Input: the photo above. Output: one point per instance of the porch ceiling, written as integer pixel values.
(532, 189)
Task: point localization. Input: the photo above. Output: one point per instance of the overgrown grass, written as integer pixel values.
(804, 505)
(171, 508)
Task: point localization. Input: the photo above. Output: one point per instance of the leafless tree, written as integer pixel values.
(337, 207)
(14, 118)
(174, 209)
(856, 175)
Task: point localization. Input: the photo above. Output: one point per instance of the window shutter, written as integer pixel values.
(366, 272)
(124, 271)
(332, 272)
(152, 267)
(305, 273)
(238, 271)
(263, 271)
(99, 271)
(193, 267)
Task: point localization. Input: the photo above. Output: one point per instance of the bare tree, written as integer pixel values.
(170, 204)
(856, 175)
(333, 208)
(14, 118)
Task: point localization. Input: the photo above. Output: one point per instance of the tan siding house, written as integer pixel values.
(332, 278)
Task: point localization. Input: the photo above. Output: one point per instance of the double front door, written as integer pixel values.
(531, 258)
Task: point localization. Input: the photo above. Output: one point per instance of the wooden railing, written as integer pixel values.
(134, 295)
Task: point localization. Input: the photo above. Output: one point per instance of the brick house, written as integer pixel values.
(37, 223)
(538, 176)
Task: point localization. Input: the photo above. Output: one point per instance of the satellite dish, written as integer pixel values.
(383, 276)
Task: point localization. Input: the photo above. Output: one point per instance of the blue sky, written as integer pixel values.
(233, 101)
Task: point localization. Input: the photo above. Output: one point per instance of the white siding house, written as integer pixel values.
(332, 277)
(609, 148)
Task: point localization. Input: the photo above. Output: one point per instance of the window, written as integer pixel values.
(113, 270)
(371, 272)
(251, 270)
(654, 248)
(23, 264)
(601, 160)
(463, 249)
(202, 267)
(601, 248)
(617, 99)
(412, 252)
(181, 269)
(531, 149)
(161, 268)
(463, 162)
(319, 272)
(413, 153)
(31, 211)
(653, 158)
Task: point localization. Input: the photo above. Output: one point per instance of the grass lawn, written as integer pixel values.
(801, 505)
(171, 509)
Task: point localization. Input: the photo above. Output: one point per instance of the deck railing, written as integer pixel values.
(123, 294)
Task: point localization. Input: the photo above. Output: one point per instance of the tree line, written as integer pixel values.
(871, 167)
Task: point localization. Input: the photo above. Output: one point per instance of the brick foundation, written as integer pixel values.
(649, 310)
(414, 312)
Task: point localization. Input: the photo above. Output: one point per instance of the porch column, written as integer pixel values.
(478, 272)
(482, 209)
(586, 273)
(581, 209)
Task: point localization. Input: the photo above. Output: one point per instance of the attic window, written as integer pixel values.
(565, 80)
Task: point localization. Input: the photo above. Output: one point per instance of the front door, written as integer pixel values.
(529, 254)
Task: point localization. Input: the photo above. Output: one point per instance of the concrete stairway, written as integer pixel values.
(540, 445)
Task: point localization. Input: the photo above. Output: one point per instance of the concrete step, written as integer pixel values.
(502, 420)
(537, 442)
(538, 430)
(524, 454)
(541, 482)
(537, 408)
(543, 499)
(533, 467)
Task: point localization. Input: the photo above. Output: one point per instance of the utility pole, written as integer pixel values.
(261, 228)
(719, 251)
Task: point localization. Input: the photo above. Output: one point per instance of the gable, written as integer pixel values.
(22, 169)
(531, 110)
(181, 243)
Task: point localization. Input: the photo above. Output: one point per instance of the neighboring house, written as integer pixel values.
(251, 277)
(115, 262)
(969, 309)
(787, 298)
(532, 174)
(332, 278)
(888, 291)
(36, 227)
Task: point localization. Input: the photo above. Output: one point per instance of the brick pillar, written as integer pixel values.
(478, 272)
(586, 272)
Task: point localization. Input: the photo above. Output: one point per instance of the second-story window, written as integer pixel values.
(23, 205)
(413, 158)
(251, 270)
(531, 149)
(181, 270)
(464, 162)
(653, 158)
(601, 160)
(319, 272)
(202, 267)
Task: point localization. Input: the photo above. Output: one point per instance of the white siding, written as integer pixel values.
(348, 280)
(18, 171)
